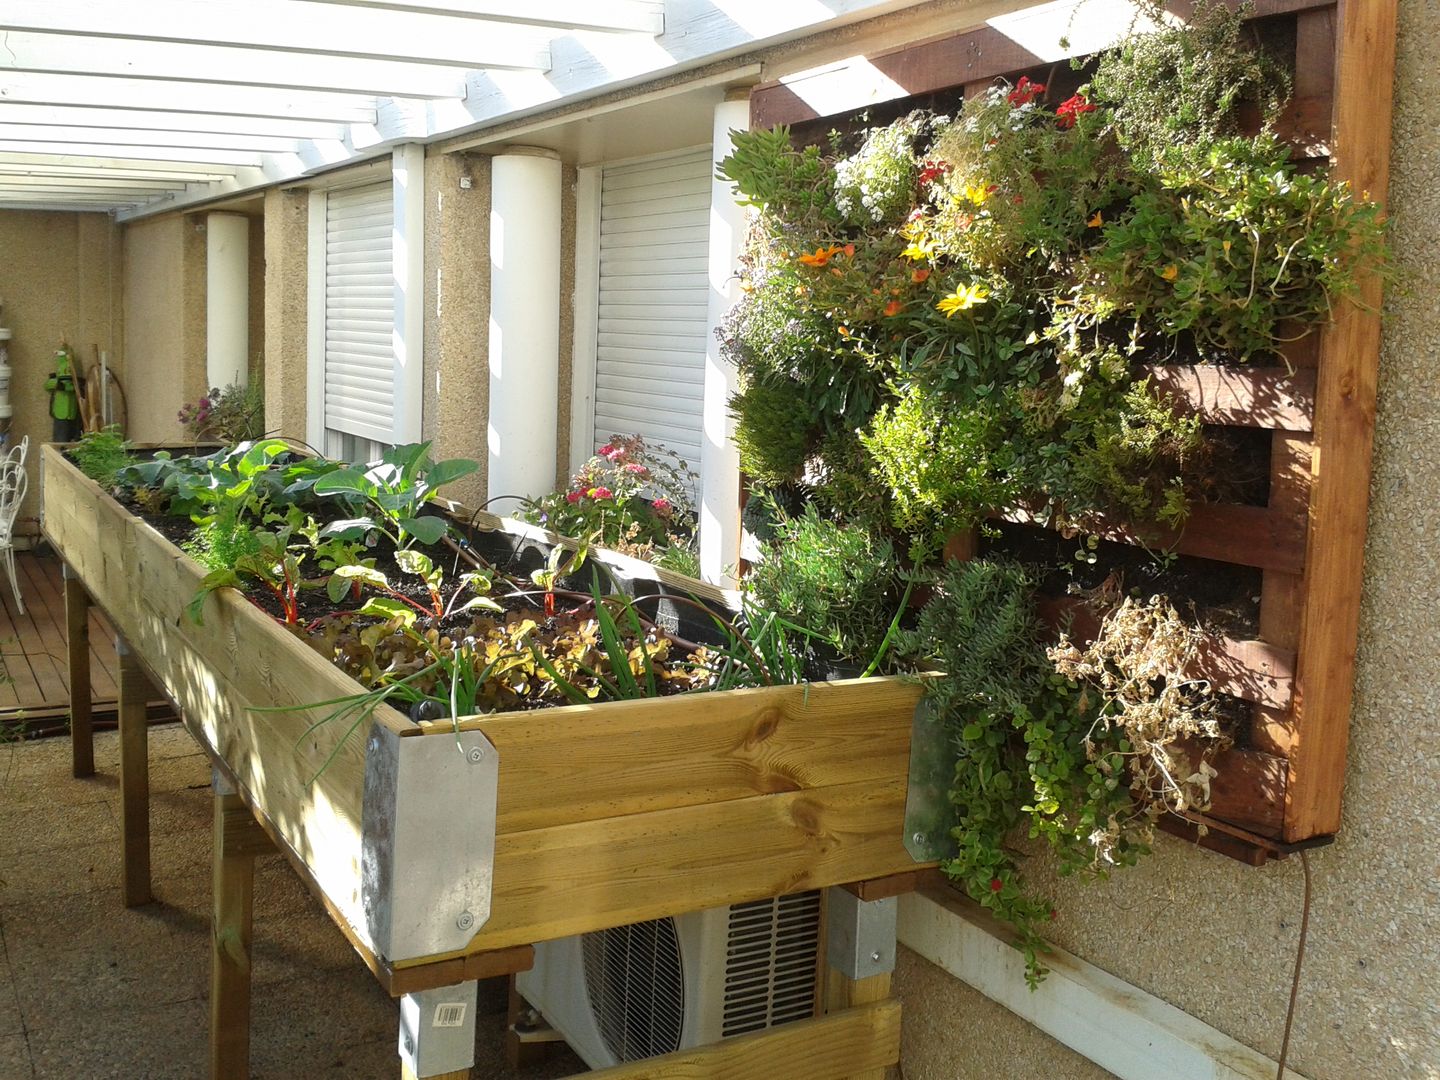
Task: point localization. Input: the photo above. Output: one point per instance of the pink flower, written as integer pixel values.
(636, 469)
(663, 507)
(606, 450)
(573, 497)
(601, 493)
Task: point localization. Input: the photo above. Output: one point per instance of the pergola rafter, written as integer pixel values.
(180, 102)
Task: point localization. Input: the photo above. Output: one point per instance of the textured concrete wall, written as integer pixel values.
(567, 324)
(257, 296)
(164, 290)
(457, 313)
(286, 246)
(59, 278)
(1216, 938)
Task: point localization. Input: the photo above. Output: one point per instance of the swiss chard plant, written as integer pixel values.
(390, 495)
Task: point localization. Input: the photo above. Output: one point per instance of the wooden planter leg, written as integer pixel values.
(238, 839)
(77, 644)
(135, 690)
(437, 1033)
(859, 955)
(521, 1053)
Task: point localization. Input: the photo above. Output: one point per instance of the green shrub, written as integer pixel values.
(101, 455)
(774, 430)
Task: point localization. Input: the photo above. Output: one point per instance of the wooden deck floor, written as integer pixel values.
(32, 645)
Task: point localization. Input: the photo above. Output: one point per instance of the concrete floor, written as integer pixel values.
(89, 989)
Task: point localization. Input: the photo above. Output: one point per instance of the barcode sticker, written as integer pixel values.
(450, 1014)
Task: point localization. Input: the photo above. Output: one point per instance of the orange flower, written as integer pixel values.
(1170, 273)
(894, 307)
(844, 331)
(917, 276)
(1096, 221)
(849, 251)
(821, 256)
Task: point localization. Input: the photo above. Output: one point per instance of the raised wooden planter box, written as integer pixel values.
(443, 863)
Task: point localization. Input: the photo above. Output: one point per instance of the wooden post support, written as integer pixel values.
(859, 957)
(77, 646)
(135, 691)
(238, 839)
(518, 1052)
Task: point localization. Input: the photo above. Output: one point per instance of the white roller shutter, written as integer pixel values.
(360, 313)
(650, 345)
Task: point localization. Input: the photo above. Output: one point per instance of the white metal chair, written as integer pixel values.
(14, 482)
(19, 450)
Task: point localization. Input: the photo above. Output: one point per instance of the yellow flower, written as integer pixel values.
(1096, 221)
(963, 299)
(979, 193)
(1170, 273)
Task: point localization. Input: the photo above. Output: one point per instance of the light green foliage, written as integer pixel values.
(1230, 244)
(774, 430)
(1181, 85)
(795, 186)
(944, 467)
(102, 455)
(394, 490)
(221, 542)
(840, 581)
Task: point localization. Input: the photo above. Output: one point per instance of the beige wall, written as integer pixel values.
(457, 313)
(1216, 938)
(285, 247)
(164, 290)
(59, 278)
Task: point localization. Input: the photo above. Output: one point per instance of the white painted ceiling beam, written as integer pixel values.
(42, 88)
(289, 26)
(117, 152)
(88, 183)
(75, 116)
(52, 133)
(49, 164)
(73, 55)
(66, 207)
(637, 16)
(101, 199)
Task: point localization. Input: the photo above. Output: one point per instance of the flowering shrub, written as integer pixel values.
(631, 497)
(230, 414)
(876, 184)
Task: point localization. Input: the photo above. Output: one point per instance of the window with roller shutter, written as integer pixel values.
(653, 290)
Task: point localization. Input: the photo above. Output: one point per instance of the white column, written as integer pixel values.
(524, 324)
(407, 260)
(227, 299)
(719, 460)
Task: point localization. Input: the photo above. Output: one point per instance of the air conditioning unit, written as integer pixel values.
(675, 983)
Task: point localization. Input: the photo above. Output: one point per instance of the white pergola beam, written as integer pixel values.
(88, 183)
(76, 116)
(289, 26)
(42, 88)
(633, 16)
(62, 205)
(12, 165)
(66, 54)
(49, 133)
(119, 152)
(101, 199)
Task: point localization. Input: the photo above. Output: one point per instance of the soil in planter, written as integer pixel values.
(1226, 597)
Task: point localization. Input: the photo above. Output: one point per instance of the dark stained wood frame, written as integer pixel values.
(1284, 790)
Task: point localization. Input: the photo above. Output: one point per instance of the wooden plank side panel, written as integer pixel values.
(600, 761)
(644, 866)
(239, 658)
(1240, 397)
(1344, 429)
(846, 1043)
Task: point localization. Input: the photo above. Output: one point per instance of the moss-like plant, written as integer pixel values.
(101, 455)
(774, 430)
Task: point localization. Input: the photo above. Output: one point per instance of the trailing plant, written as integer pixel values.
(395, 490)
(1028, 757)
(876, 184)
(102, 455)
(1182, 84)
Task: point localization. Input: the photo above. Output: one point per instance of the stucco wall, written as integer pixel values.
(164, 291)
(286, 246)
(457, 313)
(59, 278)
(1216, 938)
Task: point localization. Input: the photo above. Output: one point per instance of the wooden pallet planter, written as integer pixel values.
(604, 814)
(1283, 789)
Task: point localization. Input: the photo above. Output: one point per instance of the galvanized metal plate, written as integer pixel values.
(929, 814)
(860, 934)
(428, 840)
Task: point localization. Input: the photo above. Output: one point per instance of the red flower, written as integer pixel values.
(573, 497)
(662, 507)
(894, 307)
(602, 493)
(996, 884)
(933, 170)
(1070, 109)
(606, 450)
(1025, 92)
(849, 250)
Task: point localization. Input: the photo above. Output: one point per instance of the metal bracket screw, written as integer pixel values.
(875, 956)
(465, 920)
(477, 755)
(919, 838)
(409, 1045)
